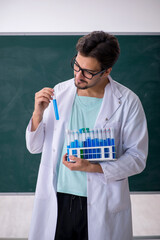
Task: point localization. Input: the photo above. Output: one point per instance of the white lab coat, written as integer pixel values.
(108, 201)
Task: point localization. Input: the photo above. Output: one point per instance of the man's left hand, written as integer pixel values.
(80, 164)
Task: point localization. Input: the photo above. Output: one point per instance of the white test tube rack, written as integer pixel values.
(111, 155)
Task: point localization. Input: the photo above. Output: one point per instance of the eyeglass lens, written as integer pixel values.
(77, 68)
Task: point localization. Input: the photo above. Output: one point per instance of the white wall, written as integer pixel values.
(16, 211)
(79, 16)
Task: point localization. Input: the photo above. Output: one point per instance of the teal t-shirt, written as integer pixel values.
(84, 114)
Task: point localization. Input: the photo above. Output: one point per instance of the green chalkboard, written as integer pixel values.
(29, 63)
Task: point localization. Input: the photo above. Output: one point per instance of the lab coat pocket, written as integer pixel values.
(118, 196)
(44, 182)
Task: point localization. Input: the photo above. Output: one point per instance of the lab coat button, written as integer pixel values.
(54, 150)
(106, 119)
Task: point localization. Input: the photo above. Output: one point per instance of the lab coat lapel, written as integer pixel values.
(110, 104)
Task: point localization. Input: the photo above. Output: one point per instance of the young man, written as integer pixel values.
(93, 199)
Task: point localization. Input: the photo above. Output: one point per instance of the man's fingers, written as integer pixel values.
(45, 92)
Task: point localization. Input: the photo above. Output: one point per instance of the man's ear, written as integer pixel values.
(108, 71)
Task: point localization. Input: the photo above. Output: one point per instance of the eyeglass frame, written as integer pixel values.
(83, 69)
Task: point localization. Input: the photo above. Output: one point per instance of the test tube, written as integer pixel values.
(72, 139)
(108, 143)
(93, 144)
(55, 107)
(113, 142)
(97, 143)
(72, 142)
(68, 142)
(84, 143)
(104, 137)
(76, 137)
(88, 139)
(100, 141)
(108, 137)
(80, 143)
(100, 137)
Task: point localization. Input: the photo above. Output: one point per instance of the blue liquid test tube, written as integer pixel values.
(108, 137)
(80, 143)
(68, 142)
(88, 139)
(104, 137)
(76, 137)
(97, 143)
(84, 143)
(100, 137)
(100, 141)
(108, 142)
(93, 144)
(72, 143)
(72, 139)
(112, 142)
(55, 107)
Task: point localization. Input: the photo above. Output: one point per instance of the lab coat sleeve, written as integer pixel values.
(134, 144)
(35, 139)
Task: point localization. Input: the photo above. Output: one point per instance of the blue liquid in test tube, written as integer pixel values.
(93, 144)
(84, 143)
(108, 137)
(104, 137)
(112, 142)
(72, 143)
(55, 107)
(97, 143)
(108, 142)
(80, 143)
(88, 139)
(68, 143)
(100, 140)
(76, 137)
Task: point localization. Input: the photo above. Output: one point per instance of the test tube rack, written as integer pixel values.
(93, 145)
(94, 154)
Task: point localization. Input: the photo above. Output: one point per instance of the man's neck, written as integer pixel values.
(96, 91)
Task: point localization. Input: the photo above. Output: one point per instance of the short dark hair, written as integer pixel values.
(100, 45)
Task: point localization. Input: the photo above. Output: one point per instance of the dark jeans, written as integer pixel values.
(72, 217)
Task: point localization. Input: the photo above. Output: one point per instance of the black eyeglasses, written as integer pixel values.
(86, 73)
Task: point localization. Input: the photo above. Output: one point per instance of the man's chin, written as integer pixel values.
(80, 86)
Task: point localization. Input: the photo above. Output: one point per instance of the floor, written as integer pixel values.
(16, 210)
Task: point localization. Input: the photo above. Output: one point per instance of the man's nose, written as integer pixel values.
(80, 74)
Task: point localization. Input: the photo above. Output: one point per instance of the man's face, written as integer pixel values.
(92, 65)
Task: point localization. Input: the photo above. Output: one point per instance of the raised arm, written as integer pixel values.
(35, 130)
(42, 100)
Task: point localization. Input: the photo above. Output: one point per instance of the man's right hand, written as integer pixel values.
(42, 100)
